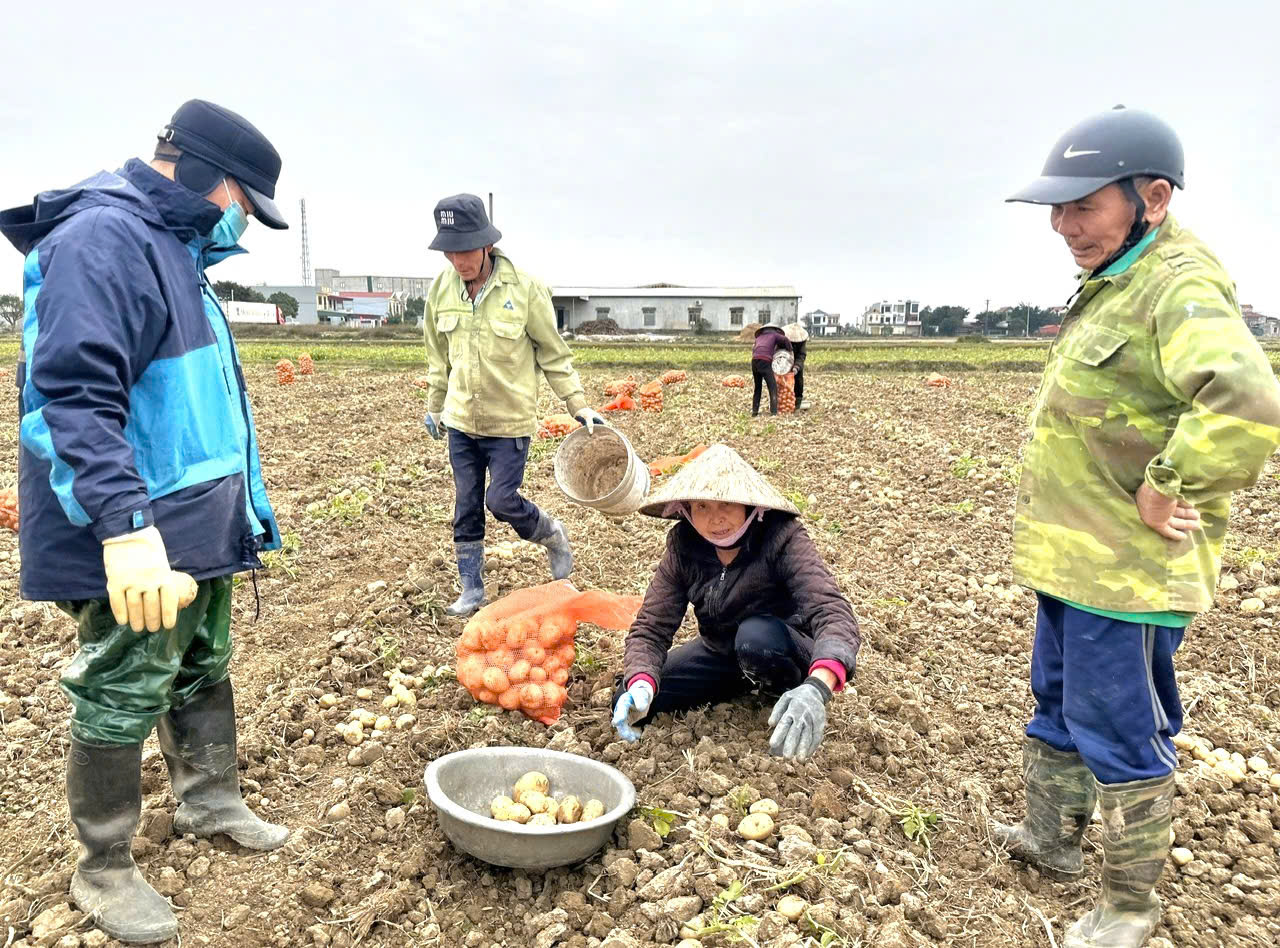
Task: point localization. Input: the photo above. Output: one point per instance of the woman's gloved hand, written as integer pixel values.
(798, 720)
(631, 707)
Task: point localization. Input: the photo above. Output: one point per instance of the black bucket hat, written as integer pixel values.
(216, 142)
(462, 225)
(1103, 149)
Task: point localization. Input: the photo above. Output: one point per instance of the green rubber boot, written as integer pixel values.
(104, 794)
(198, 740)
(1135, 842)
(1061, 793)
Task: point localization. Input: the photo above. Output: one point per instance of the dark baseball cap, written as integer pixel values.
(462, 225)
(216, 142)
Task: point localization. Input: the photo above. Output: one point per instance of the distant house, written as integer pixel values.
(1260, 324)
(821, 323)
(373, 309)
(663, 307)
(899, 318)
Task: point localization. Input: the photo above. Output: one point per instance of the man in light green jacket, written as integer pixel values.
(490, 330)
(1157, 403)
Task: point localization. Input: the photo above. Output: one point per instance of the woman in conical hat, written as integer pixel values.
(770, 615)
(799, 337)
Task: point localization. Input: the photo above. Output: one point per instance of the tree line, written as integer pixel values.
(1020, 320)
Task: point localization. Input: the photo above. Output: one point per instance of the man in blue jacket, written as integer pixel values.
(139, 459)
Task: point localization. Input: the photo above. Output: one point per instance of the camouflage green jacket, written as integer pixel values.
(1154, 376)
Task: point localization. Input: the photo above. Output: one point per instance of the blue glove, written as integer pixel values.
(590, 417)
(631, 707)
(800, 716)
(432, 421)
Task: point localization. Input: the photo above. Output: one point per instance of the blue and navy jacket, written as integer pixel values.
(133, 403)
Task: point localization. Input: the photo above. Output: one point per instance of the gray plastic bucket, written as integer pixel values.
(601, 471)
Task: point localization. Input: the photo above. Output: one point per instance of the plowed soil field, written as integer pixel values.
(908, 492)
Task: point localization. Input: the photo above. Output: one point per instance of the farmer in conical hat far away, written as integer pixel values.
(768, 340)
(138, 458)
(1157, 403)
(799, 337)
(770, 616)
(490, 329)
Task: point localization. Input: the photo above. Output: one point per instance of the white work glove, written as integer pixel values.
(142, 588)
(432, 421)
(590, 417)
(631, 707)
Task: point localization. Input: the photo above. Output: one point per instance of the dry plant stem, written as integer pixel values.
(1048, 929)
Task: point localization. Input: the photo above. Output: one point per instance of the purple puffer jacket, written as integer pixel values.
(768, 342)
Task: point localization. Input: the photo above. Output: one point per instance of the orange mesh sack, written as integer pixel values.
(673, 376)
(305, 365)
(651, 396)
(621, 403)
(9, 508)
(557, 426)
(669, 464)
(284, 372)
(733, 381)
(786, 393)
(625, 386)
(516, 652)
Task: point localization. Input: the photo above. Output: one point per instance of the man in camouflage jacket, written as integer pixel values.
(1157, 403)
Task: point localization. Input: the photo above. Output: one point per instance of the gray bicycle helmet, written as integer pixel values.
(1108, 147)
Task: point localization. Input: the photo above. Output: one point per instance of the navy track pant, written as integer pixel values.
(1105, 688)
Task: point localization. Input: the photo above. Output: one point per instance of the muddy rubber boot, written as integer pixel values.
(1061, 793)
(198, 741)
(552, 535)
(470, 556)
(104, 794)
(1135, 843)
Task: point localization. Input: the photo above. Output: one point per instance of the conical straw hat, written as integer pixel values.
(719, 473)
(796, 333)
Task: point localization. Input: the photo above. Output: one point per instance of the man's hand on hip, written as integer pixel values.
(1167, 516)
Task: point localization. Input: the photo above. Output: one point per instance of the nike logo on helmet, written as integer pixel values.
(1072, 153)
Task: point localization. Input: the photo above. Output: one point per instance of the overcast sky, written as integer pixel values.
(858, 151)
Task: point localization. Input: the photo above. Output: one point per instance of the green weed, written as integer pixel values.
(347, 505)
(283, 558)
(918, 824)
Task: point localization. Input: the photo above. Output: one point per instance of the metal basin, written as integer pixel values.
(462, 785)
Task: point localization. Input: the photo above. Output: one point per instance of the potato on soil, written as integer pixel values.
(519, 813)
(542, 819)
(592, 810)
(756, 826)
(532, 780)
(500, 806)
(570, 810)
(766, 806)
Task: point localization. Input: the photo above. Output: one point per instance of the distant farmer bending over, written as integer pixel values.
(490, 330)
(1156, 404)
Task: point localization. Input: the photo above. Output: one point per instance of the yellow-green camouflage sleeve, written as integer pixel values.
(437, 359)
(552, 352)
(1212, 363)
